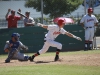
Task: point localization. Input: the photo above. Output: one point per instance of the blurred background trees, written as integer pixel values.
(54, 8)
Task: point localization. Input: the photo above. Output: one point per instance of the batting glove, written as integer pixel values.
(78, 38)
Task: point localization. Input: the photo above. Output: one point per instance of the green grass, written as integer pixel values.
(62, 53)
(52, 69)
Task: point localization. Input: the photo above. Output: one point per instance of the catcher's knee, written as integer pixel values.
(24, 59)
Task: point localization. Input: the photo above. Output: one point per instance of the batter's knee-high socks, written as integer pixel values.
(90, 45)
(57, 55)
(86, 45)
(36, 54)
(57, 51)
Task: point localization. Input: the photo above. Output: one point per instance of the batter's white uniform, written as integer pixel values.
(53, 32)
(89, 24)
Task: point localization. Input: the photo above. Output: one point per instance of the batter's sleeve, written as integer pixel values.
(63, 31)
(51, 27)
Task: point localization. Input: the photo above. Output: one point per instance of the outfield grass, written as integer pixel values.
(52, 69)
(62, 53)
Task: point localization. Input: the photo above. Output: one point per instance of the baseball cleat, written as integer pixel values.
(56, 58)
(31, 59)
(7, 61)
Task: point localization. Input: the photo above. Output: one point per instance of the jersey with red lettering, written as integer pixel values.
(89, 21)
(53, 32)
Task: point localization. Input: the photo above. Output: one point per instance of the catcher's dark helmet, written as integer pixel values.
(16, 36)
(90, 10)
(60, 22)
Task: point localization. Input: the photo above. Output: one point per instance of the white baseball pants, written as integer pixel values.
(49, 43)
(89, 34)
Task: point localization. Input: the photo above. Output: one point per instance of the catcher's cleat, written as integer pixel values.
(7, 61)
(56, 58)
(31, 59)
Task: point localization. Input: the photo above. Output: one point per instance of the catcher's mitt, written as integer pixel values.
(25, 48)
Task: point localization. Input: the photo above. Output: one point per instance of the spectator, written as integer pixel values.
(28, 21)
(12, 19)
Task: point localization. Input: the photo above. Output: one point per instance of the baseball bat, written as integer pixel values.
(24, 16)
(21, 14)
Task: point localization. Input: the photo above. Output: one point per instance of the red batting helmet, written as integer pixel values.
(60, 22)
(90, 10)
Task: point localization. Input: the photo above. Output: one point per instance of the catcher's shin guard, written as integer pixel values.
(11, 54)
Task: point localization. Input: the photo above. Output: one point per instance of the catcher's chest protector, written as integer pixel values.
(15, 44)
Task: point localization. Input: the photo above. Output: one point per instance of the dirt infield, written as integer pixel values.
(88, 60)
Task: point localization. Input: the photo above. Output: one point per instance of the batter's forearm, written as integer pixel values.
(73, 36)
(69, 34)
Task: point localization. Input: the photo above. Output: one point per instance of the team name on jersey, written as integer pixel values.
(55, 33)
(88, 20)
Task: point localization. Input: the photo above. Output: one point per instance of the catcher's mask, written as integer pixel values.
(16, 36)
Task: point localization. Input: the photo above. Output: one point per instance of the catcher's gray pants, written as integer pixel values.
(49, 43)
(20, 56)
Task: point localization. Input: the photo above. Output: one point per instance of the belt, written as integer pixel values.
(89, 27)
(45, 40)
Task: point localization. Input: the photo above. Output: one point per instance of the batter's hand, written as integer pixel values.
(39, 24)
(78, 38)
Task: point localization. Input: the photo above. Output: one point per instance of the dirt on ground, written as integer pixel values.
(88, 60)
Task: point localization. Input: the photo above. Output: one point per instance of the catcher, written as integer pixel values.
(13, 48)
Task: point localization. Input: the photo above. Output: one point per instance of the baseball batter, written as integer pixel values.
(13, 48)
(89, 21)
(53, 32)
